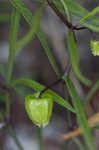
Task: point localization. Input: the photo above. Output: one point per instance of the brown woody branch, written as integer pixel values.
(62, 18)
(92, 121)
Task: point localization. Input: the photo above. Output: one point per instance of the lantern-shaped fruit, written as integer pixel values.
(95, 47)
(39, 109)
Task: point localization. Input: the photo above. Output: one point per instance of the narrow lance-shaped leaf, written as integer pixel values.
(88, 15)
(78, 11)
(30, 35)
(12, 42)
(19, 5)
(48, 52)
(66, 8)
(38, 88)
(80, 113)
(78, 143)
(75, 10)
(92, 92)
(74, 58)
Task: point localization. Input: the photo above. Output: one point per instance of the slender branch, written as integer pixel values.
(63, 19)
(92, 121)
(66, 74)
(51, 85)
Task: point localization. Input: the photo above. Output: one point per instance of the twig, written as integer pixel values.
(63, 19)
(51, 85)
(92, 121)
(67, 71)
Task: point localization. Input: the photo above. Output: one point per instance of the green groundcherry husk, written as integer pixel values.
(39, 109)
(95, 47)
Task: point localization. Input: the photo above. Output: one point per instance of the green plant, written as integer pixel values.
(87, 21)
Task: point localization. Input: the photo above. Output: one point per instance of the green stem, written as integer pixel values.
(7, 105)
(12, 45)
(78, 143)
(15, 19)
(12, 42)
(40, 137)
(69, 120)
(13, 134)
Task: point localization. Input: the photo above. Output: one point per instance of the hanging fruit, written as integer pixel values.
(39, 108)
(95, 47)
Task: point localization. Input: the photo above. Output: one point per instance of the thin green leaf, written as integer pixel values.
(48, 52)
(12, 42)
(92, 27)
(88, 15)
(59, 5)
(59, 100)
(74, 58)
(78, 11)
(92, 92)
(66, 10)
(78, 143)
(31, 34)
(30, 83)
(19, 5)
(80, 113)
(4, 17)
(38, 87)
